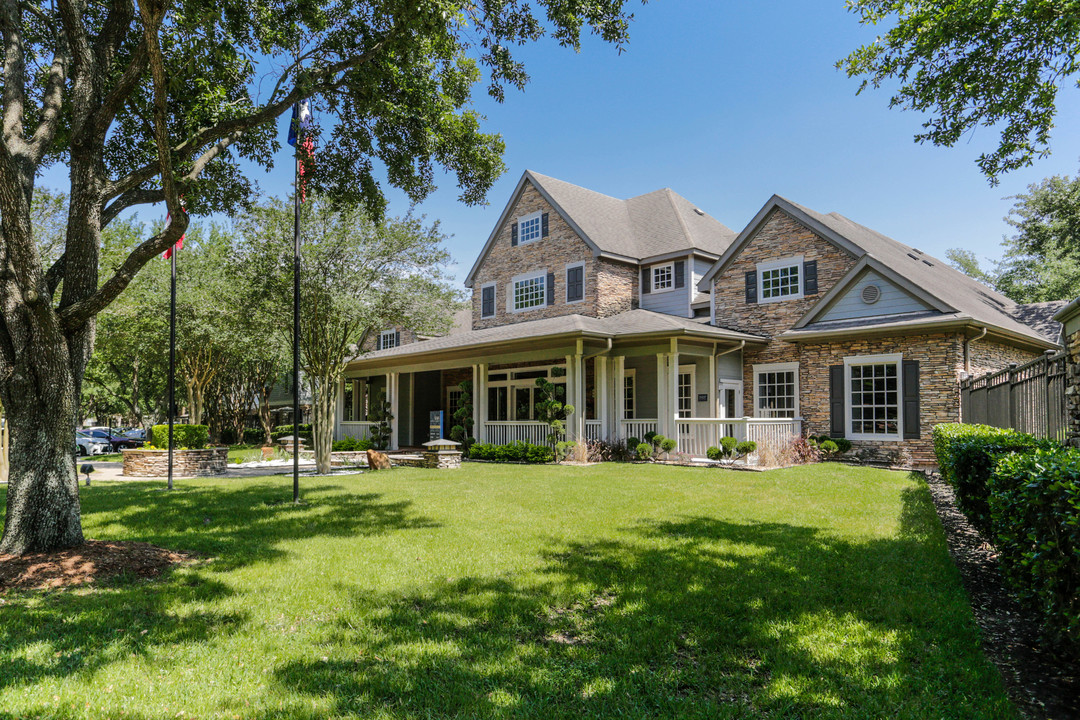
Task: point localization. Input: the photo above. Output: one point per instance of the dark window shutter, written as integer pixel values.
(543, 225)
(680, 273)
(809, 269)
(513, 234)
(646, 280)
(397, 338)
(836, 401)
(751, 286)
(574, 284)
(910, 392)
(487, 301)
(378, 342)
(551, 288)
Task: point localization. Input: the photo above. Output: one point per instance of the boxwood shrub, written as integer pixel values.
(1034, 505)
(351, 444)
(190, 437)
(966, 456)
(286, 431)
(514, 452)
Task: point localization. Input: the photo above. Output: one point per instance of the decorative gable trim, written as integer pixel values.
(750, 231)
(527, 177)
(862, 267)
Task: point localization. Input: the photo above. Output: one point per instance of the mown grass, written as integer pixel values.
(513, 591)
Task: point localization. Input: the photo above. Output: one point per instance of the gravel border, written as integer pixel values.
(1042, 687)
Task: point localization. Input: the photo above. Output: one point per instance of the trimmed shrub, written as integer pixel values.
(842, 445)
(966, 455)
(728, 444)
(714, 453)
(644, 451)
(632, 442)
(668, 444)
(746, 447)
(188, 437)
(650, 437)
(286, 431)
(1034, 504)
(514, 452)
(351, 444)
(829, 447)
(254, 436)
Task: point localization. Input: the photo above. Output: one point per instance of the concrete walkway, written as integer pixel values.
(114, 471)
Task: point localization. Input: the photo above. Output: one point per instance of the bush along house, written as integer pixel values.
(651, 315)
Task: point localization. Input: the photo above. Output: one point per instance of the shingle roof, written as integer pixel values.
(1041, 317)
(627, 324)
(661, 222)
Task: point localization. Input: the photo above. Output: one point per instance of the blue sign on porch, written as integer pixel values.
(435, 426)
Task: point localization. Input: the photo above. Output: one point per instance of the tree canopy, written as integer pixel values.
(1041, 261)
(969, 63)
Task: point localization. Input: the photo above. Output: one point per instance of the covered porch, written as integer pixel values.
(682, 380)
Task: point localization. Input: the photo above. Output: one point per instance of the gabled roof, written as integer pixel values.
(942, 286)
(647, 226)
(633, 323)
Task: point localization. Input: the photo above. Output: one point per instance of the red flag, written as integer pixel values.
(307, 147)
(179, 244)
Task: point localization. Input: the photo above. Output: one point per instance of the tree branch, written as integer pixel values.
(14, 96)
(130, 198)
(55, 274)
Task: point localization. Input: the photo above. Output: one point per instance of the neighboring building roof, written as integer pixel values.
(956, 295)
(1042, 317)
(624, 325)
(659, 223)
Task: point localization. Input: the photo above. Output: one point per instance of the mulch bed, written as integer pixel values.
(96, 561)
(1041, 685)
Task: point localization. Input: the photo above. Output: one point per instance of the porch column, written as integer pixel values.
(603, 395)
(714, 381)
(575, 395)
(620, 396)
(673, 390)
(661, 395)
(392, 398)
(480, 402)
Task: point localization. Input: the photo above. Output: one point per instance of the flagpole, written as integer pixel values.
(296, 321)
(172, 358)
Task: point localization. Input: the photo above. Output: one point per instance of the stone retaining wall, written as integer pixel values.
(186, 463)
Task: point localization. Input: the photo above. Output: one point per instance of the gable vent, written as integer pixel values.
(871, 294)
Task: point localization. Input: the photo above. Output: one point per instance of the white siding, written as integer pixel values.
(729, 367)
(893, 300)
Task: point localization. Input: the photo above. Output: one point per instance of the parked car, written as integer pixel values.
(88, 445)
(118, 442)
(135, 434)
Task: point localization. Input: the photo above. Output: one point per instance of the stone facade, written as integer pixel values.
(186, 463)
(610, 287)
(407, 336)
(987, 357)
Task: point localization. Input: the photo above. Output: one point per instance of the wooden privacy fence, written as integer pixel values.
(1029, 397)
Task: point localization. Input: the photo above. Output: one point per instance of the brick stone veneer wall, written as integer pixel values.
(991, 356)
(186, 463)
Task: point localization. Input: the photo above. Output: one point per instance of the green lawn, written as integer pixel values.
(510, 591)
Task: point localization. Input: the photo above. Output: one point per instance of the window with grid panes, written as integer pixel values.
(530, 292)
(777, 395)
(874, 399)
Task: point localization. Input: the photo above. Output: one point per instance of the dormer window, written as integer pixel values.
(780, 279)
(388, 339)
(663, 277)
(530, 228)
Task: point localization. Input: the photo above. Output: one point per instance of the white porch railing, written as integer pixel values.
(696, 435)
(593, 431)
(506, 432)
(358, 430)
(637, 428)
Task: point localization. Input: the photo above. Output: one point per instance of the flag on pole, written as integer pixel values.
(179, 244)
(299, 135)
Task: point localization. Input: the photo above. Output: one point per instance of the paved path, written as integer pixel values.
(114, 470)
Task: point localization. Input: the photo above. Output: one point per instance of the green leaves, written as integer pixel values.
(971, 63)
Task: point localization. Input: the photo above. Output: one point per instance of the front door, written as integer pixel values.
(731, 404)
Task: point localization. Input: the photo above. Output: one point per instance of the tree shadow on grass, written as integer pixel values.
(46, 634)
(694, 617)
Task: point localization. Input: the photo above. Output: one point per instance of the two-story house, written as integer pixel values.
(655, 316)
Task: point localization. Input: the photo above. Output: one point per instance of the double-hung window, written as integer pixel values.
(628, 394)
(780, 279)
(388, 339)
(663, 277)
(530, 227)
(872, 399)
(776, 390)
(530, 291)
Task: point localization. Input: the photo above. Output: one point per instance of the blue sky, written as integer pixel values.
(728, 103)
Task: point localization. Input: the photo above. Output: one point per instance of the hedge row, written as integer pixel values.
(286, 431)
(188, 437)
(514, 452)
(1023, 494)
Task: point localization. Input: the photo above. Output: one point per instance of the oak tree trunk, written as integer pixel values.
(324, 402)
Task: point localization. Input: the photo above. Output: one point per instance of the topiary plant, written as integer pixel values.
(842, 445)
(644, 451)
(745, 448)
(668, 445)
(829, 448)
(728, 444)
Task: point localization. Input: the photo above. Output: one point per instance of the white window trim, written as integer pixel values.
(775, 367)
(632, 374)
(898, 359)
(652, 277)
(495, 302)
(690, 370)
(510, 296)
(382, 335)
(773, 265)
(539, 217)
(566, 276)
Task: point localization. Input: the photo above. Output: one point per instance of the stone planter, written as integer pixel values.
(186, 463)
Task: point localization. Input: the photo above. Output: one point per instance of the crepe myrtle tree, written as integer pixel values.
(145, 102)
(358, 277)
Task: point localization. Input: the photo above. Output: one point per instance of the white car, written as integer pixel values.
(89, 445)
